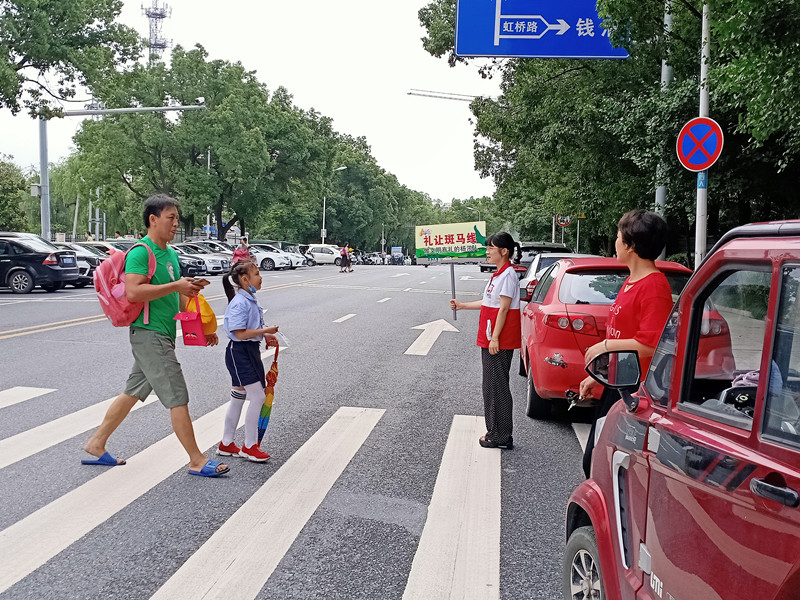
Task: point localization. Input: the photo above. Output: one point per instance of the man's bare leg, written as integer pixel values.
(182, 425)
(116, 413)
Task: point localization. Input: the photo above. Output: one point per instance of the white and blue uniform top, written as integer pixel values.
(243, 312)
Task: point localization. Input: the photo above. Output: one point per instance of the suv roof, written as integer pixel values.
(544, 246)
(756, 230)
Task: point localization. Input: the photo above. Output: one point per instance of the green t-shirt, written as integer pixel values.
(168, 269)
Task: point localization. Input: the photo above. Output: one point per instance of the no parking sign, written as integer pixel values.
(699, 143)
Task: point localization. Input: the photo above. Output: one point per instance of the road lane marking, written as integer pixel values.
(49, 324)
(32, 441)
(400, 275)
(582, 432)
(18, 394)
(344, 318)
(407, 290)
(459, 551)
(28, 544)
(384, 300)
(239, 558)
(430, 333)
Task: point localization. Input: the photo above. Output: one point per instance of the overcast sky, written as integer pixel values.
(352, 60)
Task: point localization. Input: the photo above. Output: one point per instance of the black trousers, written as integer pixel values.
(497, 402)
(601, 409)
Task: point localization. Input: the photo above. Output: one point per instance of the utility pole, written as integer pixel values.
(701, 217)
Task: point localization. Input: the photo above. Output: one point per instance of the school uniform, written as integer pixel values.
(243, 357)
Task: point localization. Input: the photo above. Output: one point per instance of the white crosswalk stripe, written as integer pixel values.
(19, 394)
(276, 512)
(32, 441)
(459, 553)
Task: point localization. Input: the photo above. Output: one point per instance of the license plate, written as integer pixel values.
(67, 260)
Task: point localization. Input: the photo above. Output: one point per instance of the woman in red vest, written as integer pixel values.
(499, 334)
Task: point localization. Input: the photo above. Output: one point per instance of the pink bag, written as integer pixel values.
(192, 326)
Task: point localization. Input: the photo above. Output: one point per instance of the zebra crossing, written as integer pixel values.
(458, 554)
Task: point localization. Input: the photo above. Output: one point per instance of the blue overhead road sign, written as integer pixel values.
(532, 29)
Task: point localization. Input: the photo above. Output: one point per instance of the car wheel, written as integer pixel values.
(538, 407)
(52, 287)
(293, 268)
(337, 262)
(582, 576)
(268, 264)
(80, 284)
(20, 282)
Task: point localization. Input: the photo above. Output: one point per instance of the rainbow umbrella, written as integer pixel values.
(269, 395)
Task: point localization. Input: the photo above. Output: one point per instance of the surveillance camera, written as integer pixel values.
(200, 100)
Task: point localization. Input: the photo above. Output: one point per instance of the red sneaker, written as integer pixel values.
(253, 453)
(228, 450)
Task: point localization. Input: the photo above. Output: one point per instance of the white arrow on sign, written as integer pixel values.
(430, 333)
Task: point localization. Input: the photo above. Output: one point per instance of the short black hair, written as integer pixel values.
(644, 231)
(155, 204)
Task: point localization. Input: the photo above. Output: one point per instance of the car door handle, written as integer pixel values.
(784, 495)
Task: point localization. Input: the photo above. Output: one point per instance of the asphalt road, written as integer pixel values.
(359, 541)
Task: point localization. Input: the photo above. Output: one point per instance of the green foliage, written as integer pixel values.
(12, 188)
(71, 43)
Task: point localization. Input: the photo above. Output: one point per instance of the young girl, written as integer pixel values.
(244, 324)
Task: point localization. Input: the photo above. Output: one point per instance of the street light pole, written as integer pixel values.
(44, 174)
(324, 232)
(477, 210)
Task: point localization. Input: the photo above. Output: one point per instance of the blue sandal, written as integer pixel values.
(107, 460)
(210, 469)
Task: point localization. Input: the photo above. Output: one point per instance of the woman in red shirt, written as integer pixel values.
(242, 252)
(498, 336)
(640, 311)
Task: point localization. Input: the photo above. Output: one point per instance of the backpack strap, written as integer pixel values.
(151, 270)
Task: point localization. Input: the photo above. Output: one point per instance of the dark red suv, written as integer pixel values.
(695, 479)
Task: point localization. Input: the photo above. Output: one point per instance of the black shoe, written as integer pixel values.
(487, 443)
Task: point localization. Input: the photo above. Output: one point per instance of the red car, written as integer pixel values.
(695, 478)
(565, 315)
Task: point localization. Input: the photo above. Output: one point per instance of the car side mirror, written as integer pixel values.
(619, 371)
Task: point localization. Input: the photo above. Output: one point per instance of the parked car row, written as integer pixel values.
(28, 261)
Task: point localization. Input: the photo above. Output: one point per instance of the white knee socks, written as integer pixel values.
(255, 395)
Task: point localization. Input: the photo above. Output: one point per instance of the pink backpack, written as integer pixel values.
(109, 283)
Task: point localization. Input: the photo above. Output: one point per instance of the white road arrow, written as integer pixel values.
(470, 278)
(430, 333)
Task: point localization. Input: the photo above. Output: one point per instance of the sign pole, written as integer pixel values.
(453, 287)
(702, 177)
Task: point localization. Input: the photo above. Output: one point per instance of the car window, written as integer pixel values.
(36, 244)
(591, 286)
(544, 262)
(540, 292)
(5, 249)
(782, 407)
(725, 347)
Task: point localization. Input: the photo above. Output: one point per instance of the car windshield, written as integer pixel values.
(89, 249)
(544, 262)
(196, 249)
(294, 249)
(122, 245)
(602, 286)
(178, 250)
(36, 244)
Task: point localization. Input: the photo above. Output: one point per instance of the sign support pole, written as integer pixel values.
(453, 287)
(702, 177)
(666, 79)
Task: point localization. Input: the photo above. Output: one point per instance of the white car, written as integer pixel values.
(268, 261)
(216, 264)
(537, 267)
(326, 254)
(215, 246)
(295, 260)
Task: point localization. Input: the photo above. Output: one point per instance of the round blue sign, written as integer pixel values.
(700, 143)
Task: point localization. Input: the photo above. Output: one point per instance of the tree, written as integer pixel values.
(49, 47)
(12, 189)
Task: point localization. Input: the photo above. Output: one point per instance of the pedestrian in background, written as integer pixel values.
(640, 310)
(242, 252)
(244, 325)
(499, 334)
(155, 366)
(344, 257)
(89, 236)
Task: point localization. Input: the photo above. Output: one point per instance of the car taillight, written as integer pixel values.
(50, 260)
(712, 327)
(578, 323)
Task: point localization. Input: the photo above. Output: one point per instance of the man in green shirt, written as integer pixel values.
(155, 367)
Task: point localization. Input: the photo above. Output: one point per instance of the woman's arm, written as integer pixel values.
(458, 305)
(494, 343)
(618, 346)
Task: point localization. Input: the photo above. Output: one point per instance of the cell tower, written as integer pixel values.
(156, 15)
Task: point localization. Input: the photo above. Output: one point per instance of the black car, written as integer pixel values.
(27, 261)
(191, 267)
(88, 260)
(529, 251)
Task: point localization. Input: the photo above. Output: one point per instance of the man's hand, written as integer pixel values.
(189, 287)
(212, 339)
